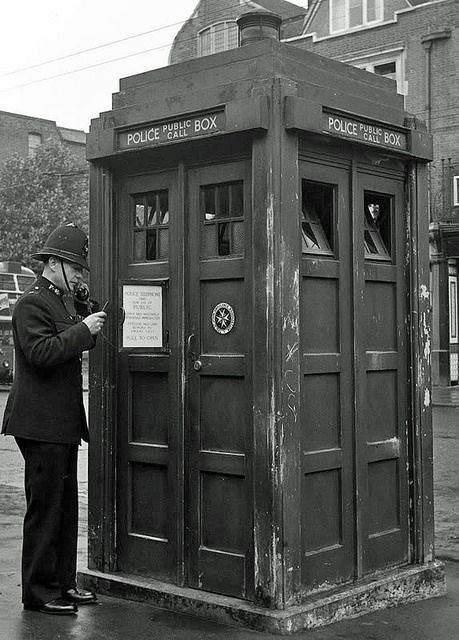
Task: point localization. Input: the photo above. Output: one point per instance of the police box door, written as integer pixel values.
(150, 414)
(184, 511)
(219, 513)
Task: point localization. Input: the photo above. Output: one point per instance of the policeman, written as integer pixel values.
(45, 414)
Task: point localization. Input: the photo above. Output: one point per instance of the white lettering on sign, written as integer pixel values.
(143, 326)
(172, 131)
(365, 132)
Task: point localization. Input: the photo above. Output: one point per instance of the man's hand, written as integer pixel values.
(95, 322)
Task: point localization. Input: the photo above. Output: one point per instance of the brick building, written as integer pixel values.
(212, 26)
(416, 44)
(23, 134)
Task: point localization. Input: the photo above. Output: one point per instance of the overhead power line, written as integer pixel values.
(113, 42)
(78, 53)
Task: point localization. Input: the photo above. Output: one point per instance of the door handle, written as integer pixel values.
(197, 364)
(190, 352)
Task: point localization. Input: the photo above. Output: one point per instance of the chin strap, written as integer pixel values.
(65, 277)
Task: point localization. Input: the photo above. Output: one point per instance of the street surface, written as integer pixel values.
(117, 619)
(446, 481)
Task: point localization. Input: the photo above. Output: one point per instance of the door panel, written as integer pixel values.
(150, 424)
(327, 504)
(218, 394)
(383, 400)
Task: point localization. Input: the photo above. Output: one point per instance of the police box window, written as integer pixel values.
(150, 219)
(222, 215)
(377, 226)
(317, 214)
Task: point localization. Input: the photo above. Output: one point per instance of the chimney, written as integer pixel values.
(258, 25)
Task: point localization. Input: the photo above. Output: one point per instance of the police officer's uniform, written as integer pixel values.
(45, 413)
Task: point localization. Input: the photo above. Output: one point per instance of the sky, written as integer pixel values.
(34, 33)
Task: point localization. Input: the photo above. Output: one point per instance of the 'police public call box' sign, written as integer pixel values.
(172, 131)
(364, 131)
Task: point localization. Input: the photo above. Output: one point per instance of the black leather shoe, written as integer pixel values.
(79, 596)
(58, 607)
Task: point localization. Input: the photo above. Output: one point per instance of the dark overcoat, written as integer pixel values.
(46, 399)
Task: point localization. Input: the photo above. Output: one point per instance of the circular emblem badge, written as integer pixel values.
(223, 318)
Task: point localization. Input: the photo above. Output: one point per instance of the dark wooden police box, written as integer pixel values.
(260, 408)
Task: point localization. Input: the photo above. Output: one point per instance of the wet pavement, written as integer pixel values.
(113, 619)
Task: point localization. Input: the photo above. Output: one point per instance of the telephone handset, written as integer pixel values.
(84, 305)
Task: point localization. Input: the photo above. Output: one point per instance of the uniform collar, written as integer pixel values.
(47, 284)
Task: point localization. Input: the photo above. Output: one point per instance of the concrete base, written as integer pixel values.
(386, 589)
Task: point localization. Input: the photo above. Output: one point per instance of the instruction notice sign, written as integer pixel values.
(143, 321)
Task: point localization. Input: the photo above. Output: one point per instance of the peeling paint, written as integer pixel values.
(427, 398)
(424, 292)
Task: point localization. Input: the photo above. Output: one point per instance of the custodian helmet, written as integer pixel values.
(67, 242)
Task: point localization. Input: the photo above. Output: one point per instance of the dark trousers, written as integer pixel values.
(49, 550)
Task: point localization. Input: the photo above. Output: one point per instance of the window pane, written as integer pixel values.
(208, 195)
(7, 282)
(139, 220)
(237, 200)
(377, 225)
(163, 207)
(317, 205)
(223, 201)
(24, 282)
(374, 8)
(223, 239)
(163, 243)
(238, 238)
(355, 13)
(151, 253)
(338, 15)
(152, 209)
(388, 69)
(139, 246)
(208, 241)
(232, 35)
(219, 37)
(204, 42)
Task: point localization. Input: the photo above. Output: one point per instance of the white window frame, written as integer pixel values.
(455, 191)
(211, 28)
(365, 22)
(370, 61)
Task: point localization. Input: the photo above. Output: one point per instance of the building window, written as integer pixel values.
(389, 64)
(218, 37)
(35, 140)
(455, 191)
(349, 14)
